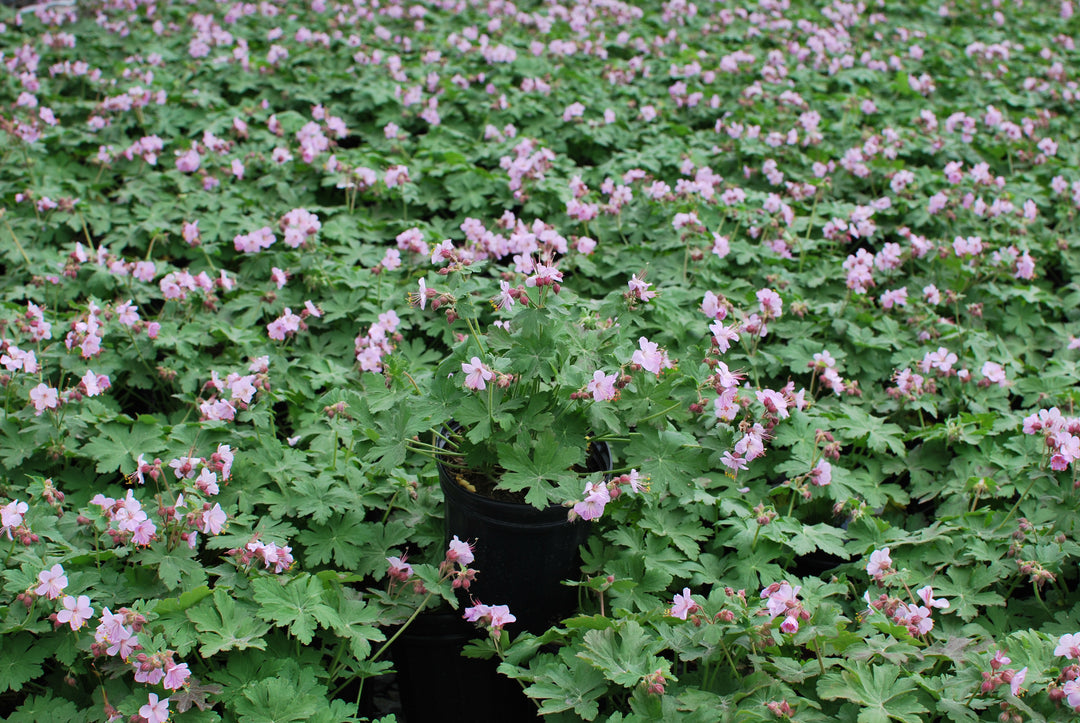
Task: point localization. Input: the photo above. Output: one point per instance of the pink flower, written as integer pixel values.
(994, 373)
(821, 474)
(602, 386)
(500, 616)
(712, 307)
(191, 233)
(460, 552)
(769, 303)
(505, 299)
(279, 277)
(892, 298)
(477, 374)
(421, 297)
(44, 397)
(650, 357)
(636, 481)
(724, 335)
(1017, 680)
(399, 569)
(639, 288)
(213, 520)
(11, 516)
(1071, 689)
(879, 564)
(915, 617)
(476, 613)
(188, 162)
(682, 605)
(53, 581)
(495, 616)
(596, 497)
(76, 611)
(175, 675)
(1069, 646)
(155, 711)
(90, 384)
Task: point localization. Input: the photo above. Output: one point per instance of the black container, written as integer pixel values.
(438, 685)
(522, 554)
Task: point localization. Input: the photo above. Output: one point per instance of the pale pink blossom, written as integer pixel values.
(477, 374)
(76, 611)
(602, 386)
(51, 582)
(155, 711)
(460, 552)
(682, 605)
(880, 563)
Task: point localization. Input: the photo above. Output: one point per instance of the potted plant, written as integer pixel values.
(535, 381)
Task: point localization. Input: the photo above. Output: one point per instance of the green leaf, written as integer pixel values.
(965, 589)
(179, 604)
(293, 696)
(566, 683)
(175, 566)
(821, 536)
(672, 459)
(46, 707)
(880, 691)
(20, 660)
(297, 605)
(356, 620)
(227, 624)
(540, 468)
(682, 529)
(623, 655)
(880, 435)
(118, 446)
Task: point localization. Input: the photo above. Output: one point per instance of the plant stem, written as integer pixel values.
(16, 240)
(1016, 506)
(388, 643)
(673, 407)
(390, 506)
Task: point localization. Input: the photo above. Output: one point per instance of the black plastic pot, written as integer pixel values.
(522, 554)
(437, 684)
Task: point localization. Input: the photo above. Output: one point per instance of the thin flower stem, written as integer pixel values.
(429, 451)
(404, 626)
(817, 651)
(1016, 506)
(475, 331)
(86, 230)
(673, 407)
(16, 240)
(1038, 596)
(731, 662)
(412, 381)
(26, 161)
(444, 438)
(390, 506)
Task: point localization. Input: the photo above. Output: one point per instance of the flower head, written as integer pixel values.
(879, 564)
(155, 711)
(76, 611)
(477, 374)
(602, 386)
(651, 357)
(52, 582)
(460, 552)
(682, 605)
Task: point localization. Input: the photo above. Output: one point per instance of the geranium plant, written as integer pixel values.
(859, 221)
(535, 373)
